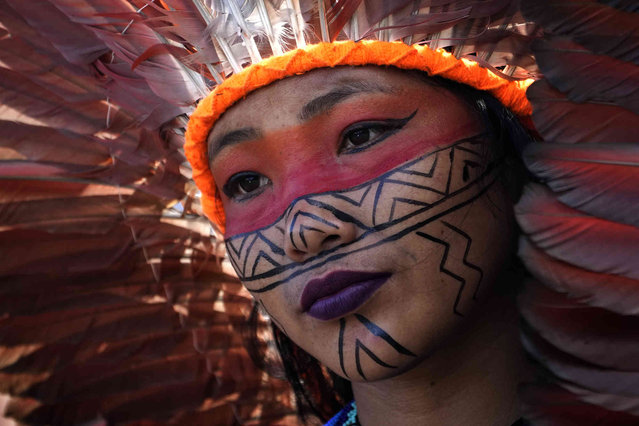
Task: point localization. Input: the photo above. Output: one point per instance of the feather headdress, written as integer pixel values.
(116, 303)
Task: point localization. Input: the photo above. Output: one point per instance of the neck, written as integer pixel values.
(471, 380)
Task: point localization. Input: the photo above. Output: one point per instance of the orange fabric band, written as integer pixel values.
(327, 55)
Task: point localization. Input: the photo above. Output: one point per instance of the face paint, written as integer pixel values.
(298, 164)
(440, 182)
(365, 259)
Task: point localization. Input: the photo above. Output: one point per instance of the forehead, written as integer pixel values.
(278, 104)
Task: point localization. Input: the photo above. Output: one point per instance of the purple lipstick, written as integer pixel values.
(340, 292)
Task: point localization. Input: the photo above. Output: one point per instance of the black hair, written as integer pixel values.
(319, 392)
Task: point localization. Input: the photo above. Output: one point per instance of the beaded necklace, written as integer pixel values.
(347, 416)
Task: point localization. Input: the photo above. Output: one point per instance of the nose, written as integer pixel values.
(312, 228)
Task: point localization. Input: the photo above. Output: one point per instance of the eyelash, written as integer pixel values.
(232, 188)
(387, 128)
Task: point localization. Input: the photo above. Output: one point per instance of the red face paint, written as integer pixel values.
(306, 159)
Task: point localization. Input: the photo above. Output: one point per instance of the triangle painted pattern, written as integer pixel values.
(437, 183)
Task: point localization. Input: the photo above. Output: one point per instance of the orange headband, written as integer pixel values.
(511, 94)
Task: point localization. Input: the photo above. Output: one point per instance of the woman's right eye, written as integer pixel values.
(244, 185)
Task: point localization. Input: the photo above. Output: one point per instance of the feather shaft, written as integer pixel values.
(268, 27)
(245, 33)
(321, 8)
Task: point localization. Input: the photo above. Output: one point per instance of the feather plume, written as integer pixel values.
(76, 44)
(123, 267)
(558, 119)
(584, 375)
(602, 29)
(612, 292)
(582, 331)
(599, 180)
(585, 299)
(575, 237)
(549, 405)
(584, 76)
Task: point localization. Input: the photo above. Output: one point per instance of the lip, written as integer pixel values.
(340, 292)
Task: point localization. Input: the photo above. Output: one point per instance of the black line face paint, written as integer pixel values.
(360, 350)
(414, 210)
(263, 266)
(418, 200)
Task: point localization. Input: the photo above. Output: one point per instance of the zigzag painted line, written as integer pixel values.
(445, 270)
(350, 200)
(465, 259)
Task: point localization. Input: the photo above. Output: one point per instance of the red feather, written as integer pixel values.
(597, 179)
(551, 405)
(559, 120)
(584, 76)
(612, 292)
(582, 331)
(576, 238)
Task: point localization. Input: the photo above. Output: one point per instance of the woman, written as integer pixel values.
(368, 212)
(393, 192)
(368, 209)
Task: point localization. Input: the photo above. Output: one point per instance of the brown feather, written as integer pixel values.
(597, 179)
(559, 120)
(582, 331)
(582, 374)
(551, 405)
(602, 29)
(612, 292)
(584, 76)
(576, 238)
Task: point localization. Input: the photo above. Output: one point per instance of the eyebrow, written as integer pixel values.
(232, 138)
(326, 102)
(315, 107)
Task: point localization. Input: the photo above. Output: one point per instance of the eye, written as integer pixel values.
(361, 136)
(244, 185)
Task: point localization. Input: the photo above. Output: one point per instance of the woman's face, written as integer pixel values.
(362, 213)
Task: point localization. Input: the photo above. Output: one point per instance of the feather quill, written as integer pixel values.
(339, 14)
(265, 19)
(246, 34)
(297, 22)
